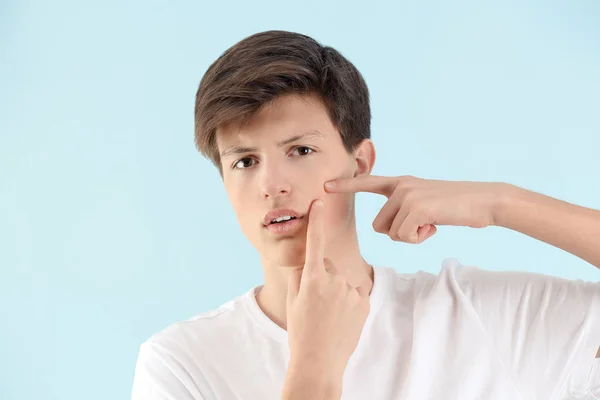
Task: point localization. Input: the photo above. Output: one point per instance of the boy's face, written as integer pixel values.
(279, 160)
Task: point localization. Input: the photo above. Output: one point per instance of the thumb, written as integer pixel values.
(293, 285)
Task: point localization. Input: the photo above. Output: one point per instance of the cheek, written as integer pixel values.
(339, 209)
(241, 207)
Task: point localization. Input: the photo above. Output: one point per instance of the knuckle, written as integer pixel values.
(311, 282)
(377, 226)
(396, 193)
(410, 179)
(409, 197)
(339, 283)
(355, 297)
(404, 180)
(403, 236)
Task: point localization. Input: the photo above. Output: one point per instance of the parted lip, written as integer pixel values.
(279, 212)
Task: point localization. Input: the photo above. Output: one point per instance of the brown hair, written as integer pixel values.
(254, 71)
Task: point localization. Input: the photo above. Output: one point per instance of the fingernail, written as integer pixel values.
(318, 203)
(329, 185)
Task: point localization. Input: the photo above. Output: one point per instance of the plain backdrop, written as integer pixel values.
(112, 226)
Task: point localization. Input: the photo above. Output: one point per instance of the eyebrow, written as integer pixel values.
(304, 136)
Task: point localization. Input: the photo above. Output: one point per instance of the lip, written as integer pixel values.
(285, 229)
(279, 212)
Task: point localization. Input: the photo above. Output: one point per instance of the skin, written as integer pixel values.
(415, 206)
(326, 315)
(291, 176)
(317, 285)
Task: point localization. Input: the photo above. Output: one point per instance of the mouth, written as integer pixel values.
(280, 216)
(285, 227)
(282, 221)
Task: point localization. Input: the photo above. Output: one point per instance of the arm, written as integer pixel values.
(307, 381)
(569, 227)
(416, 205)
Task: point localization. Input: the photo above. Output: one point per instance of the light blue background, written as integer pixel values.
(112, 226)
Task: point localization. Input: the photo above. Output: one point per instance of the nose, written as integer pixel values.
(273, 182)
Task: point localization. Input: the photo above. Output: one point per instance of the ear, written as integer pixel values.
(364, 155)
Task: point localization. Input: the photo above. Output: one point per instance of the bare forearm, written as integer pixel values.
(309, 381)
(567, 226)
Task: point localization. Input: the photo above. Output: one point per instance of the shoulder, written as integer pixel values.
(173, 360)
(508, 298)
(536, 323)
(202, 330)
(472, 281)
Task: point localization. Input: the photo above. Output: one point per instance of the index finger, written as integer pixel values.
(383, 185)
(315, 238)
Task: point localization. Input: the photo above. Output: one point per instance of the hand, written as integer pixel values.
(415, 206)
(325, 315)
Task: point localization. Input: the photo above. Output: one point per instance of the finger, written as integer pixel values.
(393, 232)
(425, 232)
(383, 185)
(408, 231)
(315, 240)
(384, 219)
(422, 231)
(293, 285)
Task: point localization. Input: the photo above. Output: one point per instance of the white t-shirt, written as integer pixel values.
(464, 334)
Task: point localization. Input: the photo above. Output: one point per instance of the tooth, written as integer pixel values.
(282, 218)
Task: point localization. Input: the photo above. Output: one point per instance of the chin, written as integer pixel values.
(288, 253)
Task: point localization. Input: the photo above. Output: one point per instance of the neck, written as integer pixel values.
(345, 256)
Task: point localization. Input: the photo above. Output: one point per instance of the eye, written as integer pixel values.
(303, 150)
(244, 163)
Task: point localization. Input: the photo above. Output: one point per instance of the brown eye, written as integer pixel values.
(303, 150)
(245, 162)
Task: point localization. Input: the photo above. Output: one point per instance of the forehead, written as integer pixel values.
(285, 116)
